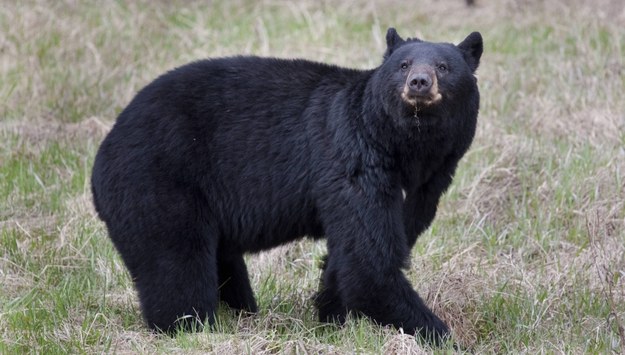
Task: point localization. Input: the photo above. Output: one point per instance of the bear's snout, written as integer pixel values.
(420, 83)
(421, 87)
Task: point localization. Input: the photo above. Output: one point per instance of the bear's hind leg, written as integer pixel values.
(177, 282)
(171, 253)
(234, 282)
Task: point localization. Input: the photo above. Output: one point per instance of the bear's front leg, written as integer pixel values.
(327, 299)
(421, 202)
(367, 248)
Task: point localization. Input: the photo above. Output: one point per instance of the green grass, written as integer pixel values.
(527, 254)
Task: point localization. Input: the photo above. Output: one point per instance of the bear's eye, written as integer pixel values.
(404, 65)
(442, 67)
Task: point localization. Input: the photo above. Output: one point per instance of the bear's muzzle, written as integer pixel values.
(421, 87)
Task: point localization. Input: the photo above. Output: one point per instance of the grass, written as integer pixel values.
(527, 254)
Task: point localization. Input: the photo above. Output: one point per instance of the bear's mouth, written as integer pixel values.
(419, 104)
(430, 99)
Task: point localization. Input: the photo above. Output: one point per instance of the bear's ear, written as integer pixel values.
(392, 41)
(472, 48)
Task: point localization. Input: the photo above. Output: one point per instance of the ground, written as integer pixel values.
(526, 253)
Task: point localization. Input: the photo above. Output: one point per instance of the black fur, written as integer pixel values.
(226, 156)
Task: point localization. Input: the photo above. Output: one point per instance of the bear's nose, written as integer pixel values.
(420, 83)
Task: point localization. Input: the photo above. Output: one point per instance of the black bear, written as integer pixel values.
(226, 156)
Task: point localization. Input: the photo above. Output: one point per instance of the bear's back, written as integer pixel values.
(231, 99)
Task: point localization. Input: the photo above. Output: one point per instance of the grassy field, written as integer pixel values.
(527, 254)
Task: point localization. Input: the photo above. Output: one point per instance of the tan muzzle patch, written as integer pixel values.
(432, 97)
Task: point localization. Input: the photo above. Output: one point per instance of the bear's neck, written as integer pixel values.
(399, 135)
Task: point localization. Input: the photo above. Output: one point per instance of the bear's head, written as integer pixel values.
(428, 79)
